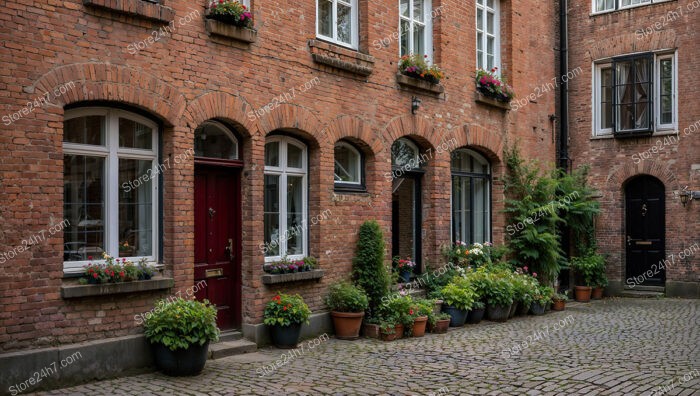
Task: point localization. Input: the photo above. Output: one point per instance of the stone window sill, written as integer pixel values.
(271, 279)
(341, 58)
(242, 34)
(483, 99)
(418, 84)
(76, 290)
(139, 8)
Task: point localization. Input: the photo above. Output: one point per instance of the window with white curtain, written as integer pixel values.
(635, 94)
(488, 38)
(285, 198)
(110, 186)
(337, 21)
(415, 27)
(471, 197)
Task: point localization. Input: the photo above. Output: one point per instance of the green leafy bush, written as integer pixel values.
(399, 309)
(459, 294)
(180, 323)
(499, 290)
(285, 310)
(589, 269)
(369, 271)
(346, 297)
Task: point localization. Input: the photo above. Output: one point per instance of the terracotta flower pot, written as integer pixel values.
(347, 324)
(441, 326)
(398, 333)
(371, 330)
(437, 308)
(558, 305)
(597, 293)
(582, 293)
(419, 326)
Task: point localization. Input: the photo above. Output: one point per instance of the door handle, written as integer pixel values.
(229, 248)
(643, 242)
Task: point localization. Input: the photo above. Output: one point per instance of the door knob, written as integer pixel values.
(212, 212)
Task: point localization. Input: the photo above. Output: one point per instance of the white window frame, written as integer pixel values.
(488, 202)
(617, 5)
(657, 92)
(597, 95)
(111, 152)
(428, 27)
(656, 102)
(358, 168)
(497, 34)
(354, 31)
(282, 170)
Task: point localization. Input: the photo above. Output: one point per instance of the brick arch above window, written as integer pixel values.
(419, 129)
(487, 143)
(90, 82)
(222, 106)
(356, 131)
(292, 118)
(622, 174)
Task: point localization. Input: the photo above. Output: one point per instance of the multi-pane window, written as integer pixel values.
(336, 21)
(415, 27)
(471, 202)
(612, 5)
(487, 34)
(110, 184)
(635, 94)
(348, 165)
(285, 198)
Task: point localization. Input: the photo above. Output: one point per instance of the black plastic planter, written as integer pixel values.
(476, 315)
(498, 313)
(181, 362)
(537, 309)
(457, 316)
(523, 309)
(286, 337)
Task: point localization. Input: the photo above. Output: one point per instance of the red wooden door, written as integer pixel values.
(216, 241)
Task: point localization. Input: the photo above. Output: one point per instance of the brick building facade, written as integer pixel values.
(642, 161)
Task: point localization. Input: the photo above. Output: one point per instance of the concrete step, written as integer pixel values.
(641, 294)
(230, 348)
(230, 335)
(657, 289)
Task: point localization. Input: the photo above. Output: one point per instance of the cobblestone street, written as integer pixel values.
(609, 347)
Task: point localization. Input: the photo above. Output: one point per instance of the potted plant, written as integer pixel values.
(180, 332)
(416, 66)
(540, 300)
(524, 286)
(600, 282)
(586, 268)
(421, 312)
(499, 296)
(489, 84)
(404, 267)
(231, 12)
(390, 329)
(399, 308)
(458, 298)
(476, 314)
(559, 301)
(439, 323)
(368, 269)
(347, 303)
(284, 315)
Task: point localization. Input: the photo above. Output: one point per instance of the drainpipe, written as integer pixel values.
(563, 89)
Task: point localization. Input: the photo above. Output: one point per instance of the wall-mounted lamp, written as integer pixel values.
(415, 104)
(685, 195)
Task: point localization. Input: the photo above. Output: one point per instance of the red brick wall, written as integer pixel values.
(615, 161)
(186, 78)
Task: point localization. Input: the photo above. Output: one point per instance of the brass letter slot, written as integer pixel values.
(210, 273)
(643, 242)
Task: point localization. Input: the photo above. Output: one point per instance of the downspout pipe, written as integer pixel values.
(563, 88)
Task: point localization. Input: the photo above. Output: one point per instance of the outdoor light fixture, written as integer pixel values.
(685, 195)
(415, 104)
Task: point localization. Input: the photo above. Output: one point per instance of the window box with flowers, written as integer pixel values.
(115, 276)
(231, 19)
(414, 72)
(492, 89)
(287, 270)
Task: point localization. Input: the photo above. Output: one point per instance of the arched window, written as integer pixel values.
(214, 140)
(405, 155)
(348, 166)
(285, 198)
(110, 186)
(471, 197)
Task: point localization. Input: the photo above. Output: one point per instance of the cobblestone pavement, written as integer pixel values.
(609, 347)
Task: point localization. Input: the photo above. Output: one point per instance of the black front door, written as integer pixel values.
(645, 219)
